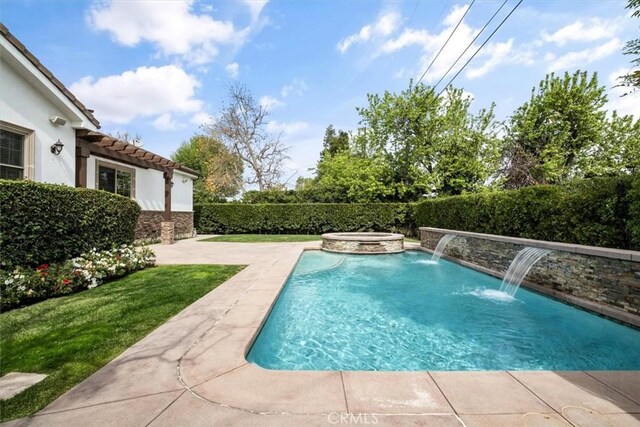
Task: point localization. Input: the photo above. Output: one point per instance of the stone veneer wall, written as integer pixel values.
(611, 281)
(358, 247)
(148, 226)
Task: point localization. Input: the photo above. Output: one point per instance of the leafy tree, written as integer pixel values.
(219, 168)
(242, 127)
(616, 152)
(546, 135)
(632, 79)
(345, 178)
(334, 142)
(429, 142)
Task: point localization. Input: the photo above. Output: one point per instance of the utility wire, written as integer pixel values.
(470, 44)
(413, 13)
(445, 43)
(480, 48)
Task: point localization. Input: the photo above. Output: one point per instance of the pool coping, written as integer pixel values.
(199, 356)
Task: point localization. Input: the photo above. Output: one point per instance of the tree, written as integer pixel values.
(128, 137)
(219, 168)
(334, 142)
(632, 79)
(546, 135)
(616, 152)
(429, 142)
(242, 127)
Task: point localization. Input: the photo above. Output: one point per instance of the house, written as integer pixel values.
(48, 135)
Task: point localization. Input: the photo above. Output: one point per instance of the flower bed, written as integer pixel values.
(25, 285)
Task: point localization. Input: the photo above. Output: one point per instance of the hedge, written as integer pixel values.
(596, 212)
(46, 223)
(303, 218)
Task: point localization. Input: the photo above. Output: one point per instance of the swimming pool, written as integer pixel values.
(401, 312)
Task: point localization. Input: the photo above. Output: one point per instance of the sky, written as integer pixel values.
(161, 69)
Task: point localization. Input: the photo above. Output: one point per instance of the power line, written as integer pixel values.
(480, 48)
(413, 13)
(470, 44)
(445, 43)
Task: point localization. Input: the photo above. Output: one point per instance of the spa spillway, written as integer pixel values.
(363, 243)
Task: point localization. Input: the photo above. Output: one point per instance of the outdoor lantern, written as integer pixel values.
(57, 147)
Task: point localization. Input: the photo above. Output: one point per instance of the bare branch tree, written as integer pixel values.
(242, 127)
(133, 139)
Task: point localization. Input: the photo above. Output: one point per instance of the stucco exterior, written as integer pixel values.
(29, 98)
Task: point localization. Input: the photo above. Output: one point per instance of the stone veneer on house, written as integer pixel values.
(598, 275)
(149, 225)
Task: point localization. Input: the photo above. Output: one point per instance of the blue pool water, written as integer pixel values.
(400, 312)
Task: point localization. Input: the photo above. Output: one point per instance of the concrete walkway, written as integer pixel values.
(191, 371)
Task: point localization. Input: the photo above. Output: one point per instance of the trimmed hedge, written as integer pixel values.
(596, 212)
(303, 218)
(47, 223)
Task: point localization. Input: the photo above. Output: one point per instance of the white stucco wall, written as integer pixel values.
(150, 186)
(21, 104)
(182, 192)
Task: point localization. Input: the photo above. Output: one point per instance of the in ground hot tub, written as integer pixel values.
(363, 243)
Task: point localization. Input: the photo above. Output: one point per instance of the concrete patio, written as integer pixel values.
(191, 371)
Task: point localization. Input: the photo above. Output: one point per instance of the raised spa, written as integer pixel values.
(363, 243)
(406, 311)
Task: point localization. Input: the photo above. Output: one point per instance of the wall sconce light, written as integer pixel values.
(57, 147)
(171, 184)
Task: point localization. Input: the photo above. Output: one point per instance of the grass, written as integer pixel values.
(263, 238)
(71, 337)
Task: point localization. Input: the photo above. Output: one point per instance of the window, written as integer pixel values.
(11, 155)
(116, 179)
(16, 152)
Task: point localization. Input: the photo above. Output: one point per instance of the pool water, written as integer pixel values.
(401, 312)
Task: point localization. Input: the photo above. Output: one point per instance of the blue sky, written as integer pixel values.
(159, 68)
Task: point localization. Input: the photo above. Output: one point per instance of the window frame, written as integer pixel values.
(28, 148)
(116, 167)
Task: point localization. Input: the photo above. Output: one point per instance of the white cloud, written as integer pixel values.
(232, 69)
(594, 29)
(143, 92)
(286, 128)
(270, 102)
(172, 26)
(497, 53)
(165, 122)
(386, 24)
(201, 118)
(296, 86)
(493, 54)
(255, 7)
(629, 104)
(585, 56)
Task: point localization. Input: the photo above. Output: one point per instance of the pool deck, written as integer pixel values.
(191, 371)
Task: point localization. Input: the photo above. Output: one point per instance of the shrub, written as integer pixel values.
(26, 285)
(303, 218)
(633, 224)
(592, 212)
(46, 223)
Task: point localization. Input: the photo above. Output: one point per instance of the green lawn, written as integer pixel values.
(263, 238)
(69, 338)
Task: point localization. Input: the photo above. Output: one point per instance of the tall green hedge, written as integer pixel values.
(43, 223)
(303, 218)
(595, 212)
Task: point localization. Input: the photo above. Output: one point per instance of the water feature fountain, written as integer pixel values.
(442, 244)
(519, 268)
